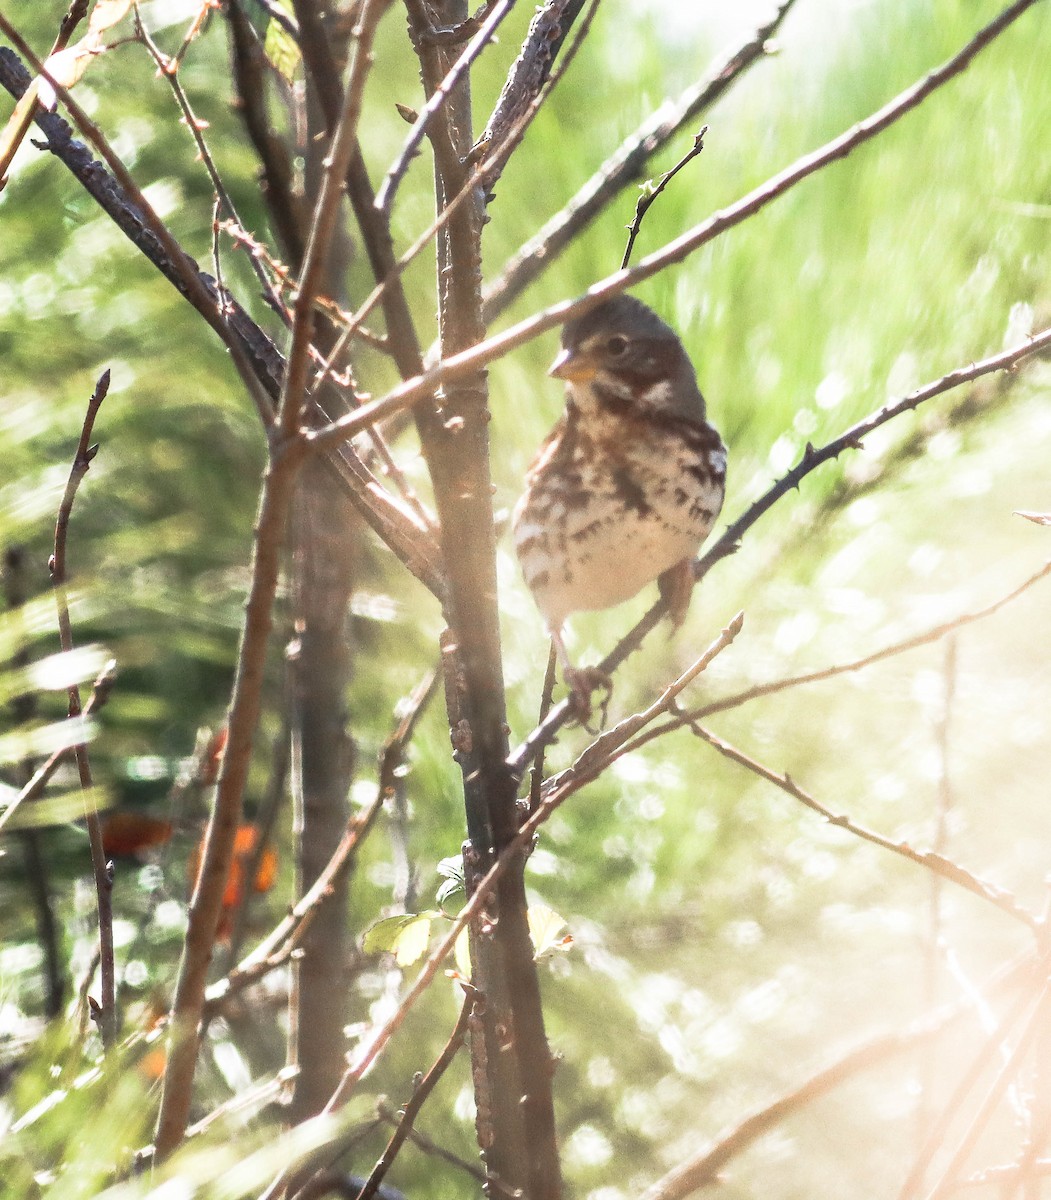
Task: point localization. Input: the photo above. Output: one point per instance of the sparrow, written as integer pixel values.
(628, 484)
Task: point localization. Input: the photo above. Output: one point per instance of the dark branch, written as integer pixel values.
(651, 191)
(106, 1009)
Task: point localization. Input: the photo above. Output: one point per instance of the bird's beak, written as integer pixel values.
(573, 366)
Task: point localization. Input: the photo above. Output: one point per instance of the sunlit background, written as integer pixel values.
(727, 943)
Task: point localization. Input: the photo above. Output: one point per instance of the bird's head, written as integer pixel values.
(622, 352)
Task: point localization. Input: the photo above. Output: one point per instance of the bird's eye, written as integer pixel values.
(617, 345)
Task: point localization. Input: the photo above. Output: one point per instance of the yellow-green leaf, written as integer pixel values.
(545, 930)
(280, 47)
(405, 936)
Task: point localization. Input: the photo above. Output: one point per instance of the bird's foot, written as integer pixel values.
(583, 682)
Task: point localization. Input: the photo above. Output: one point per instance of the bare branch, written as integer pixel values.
(419, 1097)
(85, 452)
(323, 223)
(937, 863)
(1007, 1073)
(934, 634)
(456, 366)
(399, 528)
(249, 73)
(608, 746)
(428, 1146)
(276, 948)
(702, 1169)
(529, 76)
(626, 165)
(651, 191)
(482, 174)
(167, 68)
(183, 267)
(421, 126)
(34, 787)
(993, 1045)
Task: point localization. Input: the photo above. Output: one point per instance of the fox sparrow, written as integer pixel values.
(629, 482)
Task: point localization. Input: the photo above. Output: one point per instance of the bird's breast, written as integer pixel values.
(612, 505)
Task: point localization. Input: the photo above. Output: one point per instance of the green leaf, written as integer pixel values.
(280, 47)
(451, 870)
(405, 936)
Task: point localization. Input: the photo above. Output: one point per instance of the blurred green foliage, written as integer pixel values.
(725, 941)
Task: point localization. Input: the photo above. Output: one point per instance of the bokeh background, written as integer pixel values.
(726, 942)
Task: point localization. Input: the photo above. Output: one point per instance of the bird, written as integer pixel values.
(628, 483)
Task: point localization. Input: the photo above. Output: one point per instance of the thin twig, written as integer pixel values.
(429, 1146)
(421, 126)
(391, 786)
(481, 172)
(536, 776)
(994, 1043)
(651, 190)
(608, 746)
(419, 1097)
(183, 268)
(702, 1169)
(932, 936)
(85, 452)
(277, 947)
(323, 223)
(33, 789)
(947, 1183)
(626, 165)
(934, 634)
(250, 74)
(469, 361)
(942, 866)
(168, 69)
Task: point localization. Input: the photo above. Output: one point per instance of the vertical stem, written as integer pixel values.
(242, 720)
(107, 1018)
(511, 1060)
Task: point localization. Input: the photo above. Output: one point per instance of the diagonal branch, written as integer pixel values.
(457, 366)
(420, 1094)
(183, 267)
(925, 638)
(702, 1169)
(396, 524)
(625, 166)
(652, 190)
(421, 126)
(323, 223)
(608, 746)
(494, 154)
(279, 483)
(937, 863)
